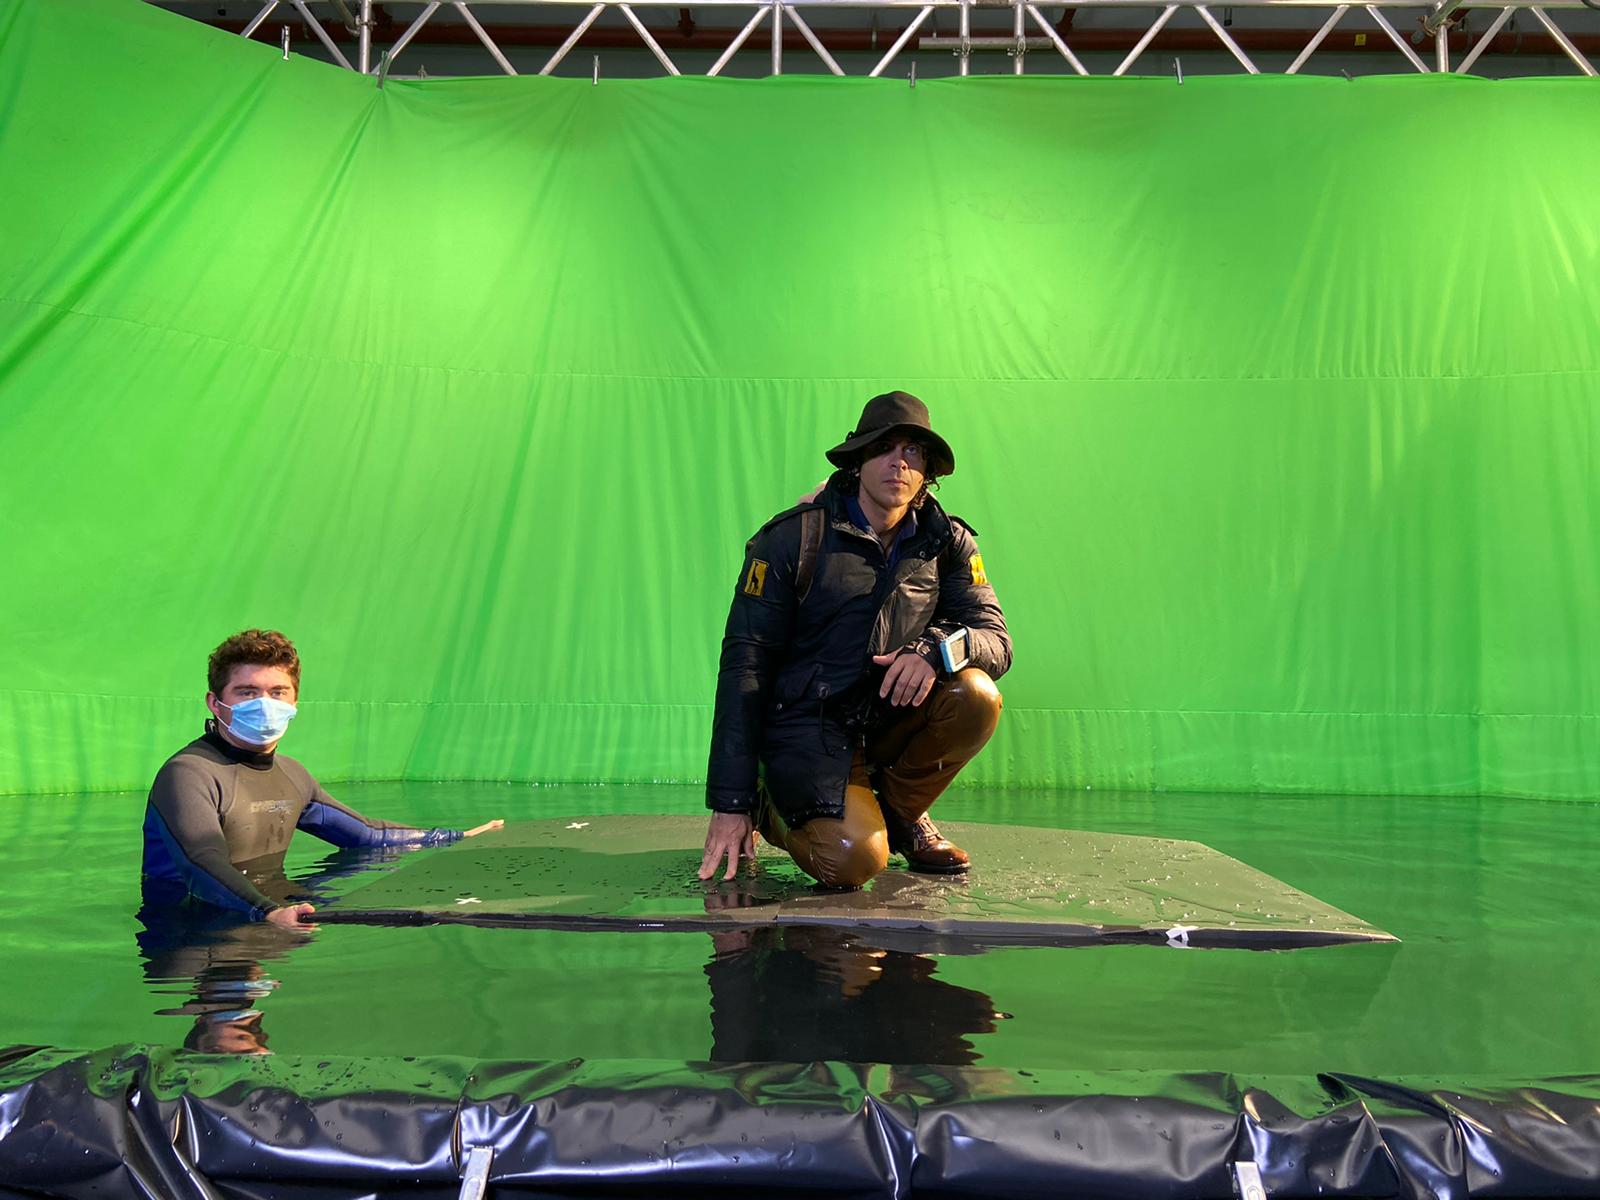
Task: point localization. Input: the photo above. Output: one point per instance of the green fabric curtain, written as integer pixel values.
(1274, 400)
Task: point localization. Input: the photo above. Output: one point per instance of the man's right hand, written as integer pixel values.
(730, 834)
(292, 916)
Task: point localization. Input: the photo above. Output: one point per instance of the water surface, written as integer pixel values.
(1490, 899)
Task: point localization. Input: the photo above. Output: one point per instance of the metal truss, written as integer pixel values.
(1436, 22)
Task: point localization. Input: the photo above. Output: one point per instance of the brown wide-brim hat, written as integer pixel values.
(894, 412)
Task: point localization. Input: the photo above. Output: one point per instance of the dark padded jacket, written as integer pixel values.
(797, 686)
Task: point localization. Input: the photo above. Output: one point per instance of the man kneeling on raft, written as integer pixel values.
(228, 798)
(858, 665)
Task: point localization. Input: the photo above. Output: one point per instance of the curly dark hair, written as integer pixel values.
(252, 647)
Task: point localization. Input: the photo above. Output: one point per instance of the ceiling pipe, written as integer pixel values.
(863, 40)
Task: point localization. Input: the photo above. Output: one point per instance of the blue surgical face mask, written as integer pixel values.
(260, 721)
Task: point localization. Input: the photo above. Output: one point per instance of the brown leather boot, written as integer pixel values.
(923, 847)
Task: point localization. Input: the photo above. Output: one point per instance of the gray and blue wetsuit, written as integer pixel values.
(214, 805)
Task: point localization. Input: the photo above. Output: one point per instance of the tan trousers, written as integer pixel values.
(906, 764)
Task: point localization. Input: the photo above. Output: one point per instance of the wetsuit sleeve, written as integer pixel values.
(326, 818)
(186, 815)
(967, 599)
(760, 621)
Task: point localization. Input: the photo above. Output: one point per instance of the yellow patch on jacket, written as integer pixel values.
(756, 581)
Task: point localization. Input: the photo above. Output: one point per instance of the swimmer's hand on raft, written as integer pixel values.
(730, 834)
(293, 916)
(486, 827)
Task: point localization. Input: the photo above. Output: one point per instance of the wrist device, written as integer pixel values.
(953, 651)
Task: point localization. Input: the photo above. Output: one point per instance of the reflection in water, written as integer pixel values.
(216, 960)
(804, 993)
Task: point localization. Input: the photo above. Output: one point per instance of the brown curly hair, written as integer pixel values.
(252, 647)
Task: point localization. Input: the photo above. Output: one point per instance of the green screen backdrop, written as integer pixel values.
(1274, 399)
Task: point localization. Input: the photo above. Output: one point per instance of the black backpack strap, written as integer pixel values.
(810, 546)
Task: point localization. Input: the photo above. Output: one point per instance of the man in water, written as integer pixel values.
(228, 799)
(858, 666)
